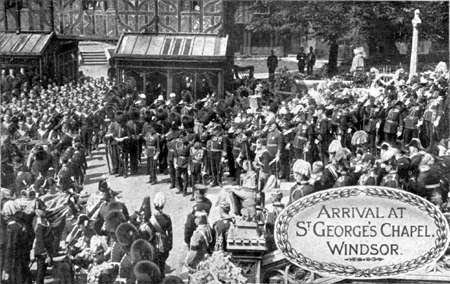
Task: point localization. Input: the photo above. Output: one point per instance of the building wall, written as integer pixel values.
(108, 19)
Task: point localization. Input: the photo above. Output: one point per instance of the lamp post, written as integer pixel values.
(415, 42)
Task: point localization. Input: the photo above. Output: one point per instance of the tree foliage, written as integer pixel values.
(352, 20)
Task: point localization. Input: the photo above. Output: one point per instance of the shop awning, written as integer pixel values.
(172, 47)
(32, 44)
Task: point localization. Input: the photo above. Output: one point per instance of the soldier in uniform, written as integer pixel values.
(171, 137)
(330, 173)
(197, 163)
(410, 130)
(181, 160)
(325, 134)
(370, 121)
(17, 249)
(222, 226)
(153, 150)
(262, 162)
(109, 205)
(44, 243)
(217, 155)
(161, 224)
(132, 144)
(275, 144)
(393, 124)
(201, 201)
(201, 243)
(300, 139)
(240, 151)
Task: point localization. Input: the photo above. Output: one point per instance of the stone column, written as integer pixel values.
(169, 82)
(415, 42)
(144, 83)
(220, 84)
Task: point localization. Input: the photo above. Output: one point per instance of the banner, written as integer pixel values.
(362, 232)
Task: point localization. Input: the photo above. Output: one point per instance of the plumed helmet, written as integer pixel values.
(160, 200)
(360, 137)
(141, 250)
(113, 219)
(147, 271)
(302, 167)
(335, 145)
(126, 234)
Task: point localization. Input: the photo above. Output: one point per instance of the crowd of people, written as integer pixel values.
(393, 134)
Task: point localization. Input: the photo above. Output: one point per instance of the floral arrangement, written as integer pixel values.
(217, 269)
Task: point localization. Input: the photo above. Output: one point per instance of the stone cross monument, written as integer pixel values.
(415, 42)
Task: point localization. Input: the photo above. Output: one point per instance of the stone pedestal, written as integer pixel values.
(247, 245)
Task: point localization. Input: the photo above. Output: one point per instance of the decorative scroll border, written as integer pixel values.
(349, 271)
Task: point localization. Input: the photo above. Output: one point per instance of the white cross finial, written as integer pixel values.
(416, 20)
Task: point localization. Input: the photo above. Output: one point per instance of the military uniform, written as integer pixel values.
(153, 151)
(44, 247)
(163, 241)
(241, 150)
(217, 152)
(370, 120)
(300, 190)
(221, 228)
(171, 137)
(17, 254)
(410, 129)
(329, 177)
(197, 159)
(275, 144)
(300, 140)
(325, 137)
(392, 124)
(182, 161)
(132, 147)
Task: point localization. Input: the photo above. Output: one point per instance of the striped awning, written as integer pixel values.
(24, 43)
(171, 46)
